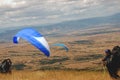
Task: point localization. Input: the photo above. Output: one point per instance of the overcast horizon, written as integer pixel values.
(16, 13)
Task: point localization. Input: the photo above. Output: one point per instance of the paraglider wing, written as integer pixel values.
(61, 45)
(34, 38)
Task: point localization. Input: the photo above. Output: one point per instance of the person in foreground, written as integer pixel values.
(112, 61)
(5, 66)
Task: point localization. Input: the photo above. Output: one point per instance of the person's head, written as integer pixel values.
(108, 51)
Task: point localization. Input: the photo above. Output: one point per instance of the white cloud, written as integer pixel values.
(38, 12)
(11, 3)
(53, 16)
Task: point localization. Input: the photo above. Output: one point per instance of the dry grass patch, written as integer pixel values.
(55, 75)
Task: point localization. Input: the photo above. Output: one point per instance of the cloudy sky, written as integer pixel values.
(16, 13)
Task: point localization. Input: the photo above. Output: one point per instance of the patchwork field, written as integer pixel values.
(81, 62)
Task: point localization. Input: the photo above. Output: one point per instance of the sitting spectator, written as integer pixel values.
(5, 66)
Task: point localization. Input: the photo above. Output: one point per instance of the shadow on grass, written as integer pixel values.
(19, 66)
(52, 61)
(71, 69)
(82, 42)
(88, 57)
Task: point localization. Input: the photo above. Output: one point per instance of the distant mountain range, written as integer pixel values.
(68, 26)
(80, 24)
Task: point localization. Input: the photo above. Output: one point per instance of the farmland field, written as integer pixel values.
(81, 62)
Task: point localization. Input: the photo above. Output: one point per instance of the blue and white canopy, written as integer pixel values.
(34, 38)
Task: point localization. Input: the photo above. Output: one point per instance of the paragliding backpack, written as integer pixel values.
(5, 66)
(116, 55)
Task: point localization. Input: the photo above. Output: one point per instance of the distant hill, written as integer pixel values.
(81, 24)
(68, 27)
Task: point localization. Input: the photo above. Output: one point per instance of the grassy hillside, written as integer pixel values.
(82, 62)
(55, 75)
(84, 51)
